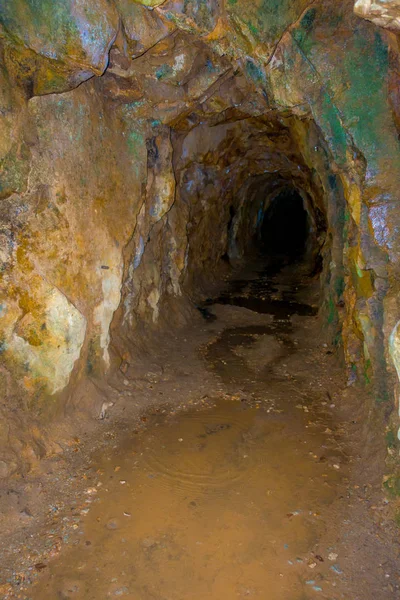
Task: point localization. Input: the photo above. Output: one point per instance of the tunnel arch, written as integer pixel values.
(257, 196)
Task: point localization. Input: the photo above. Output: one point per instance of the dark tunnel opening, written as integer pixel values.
(284, 245)
(285, 227)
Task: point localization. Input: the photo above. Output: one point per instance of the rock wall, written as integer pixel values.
(139, 143)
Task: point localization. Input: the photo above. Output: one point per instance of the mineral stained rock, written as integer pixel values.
(141, 140)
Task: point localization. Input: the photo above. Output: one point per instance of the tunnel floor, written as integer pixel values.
(246, 489)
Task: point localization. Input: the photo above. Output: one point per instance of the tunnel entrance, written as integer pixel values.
(285, 227)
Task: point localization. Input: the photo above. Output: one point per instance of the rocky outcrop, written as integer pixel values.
(385, 13)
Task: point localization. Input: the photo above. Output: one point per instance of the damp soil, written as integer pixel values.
(221, 502)
(248, 486)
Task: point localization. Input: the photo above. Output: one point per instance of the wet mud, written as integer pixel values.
(221, 502)
(236, 496)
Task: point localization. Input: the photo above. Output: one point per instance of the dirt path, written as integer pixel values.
(242, 481)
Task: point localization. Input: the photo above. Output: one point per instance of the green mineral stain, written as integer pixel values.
(337, 340)
(164, 71)
(331, 311)
(55, 17)
(329, 116)
(266, 19)
(274, 16)
(129, 111)
(339, 218)
(255, 72)
(252, 28)
(339, 286)
(381, 51)
(391, 439)
(57, 29)
(392, 486)
(308, 19)
(173, 17)
(210, 66)
(135, 143)
(133, 106)
(360, 113)
(52, 83)
(134, 139)
(301, 33)
(365, 103)
(367, 371)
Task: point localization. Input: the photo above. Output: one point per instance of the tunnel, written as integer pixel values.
(199, 267)
(285, 228)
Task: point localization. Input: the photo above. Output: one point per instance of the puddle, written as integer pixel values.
(261, 294)
(280, 309)
(221, 502)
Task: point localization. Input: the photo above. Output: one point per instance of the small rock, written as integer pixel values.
(104, 408)
(121, 591)
(336, 569)
(332, 556)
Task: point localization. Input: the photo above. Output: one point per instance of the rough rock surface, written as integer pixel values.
(385, 13)
(128, 192)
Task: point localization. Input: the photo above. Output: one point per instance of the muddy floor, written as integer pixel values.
(246, 477)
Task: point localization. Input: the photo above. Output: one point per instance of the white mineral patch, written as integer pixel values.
(66, 328)
(103, 313)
